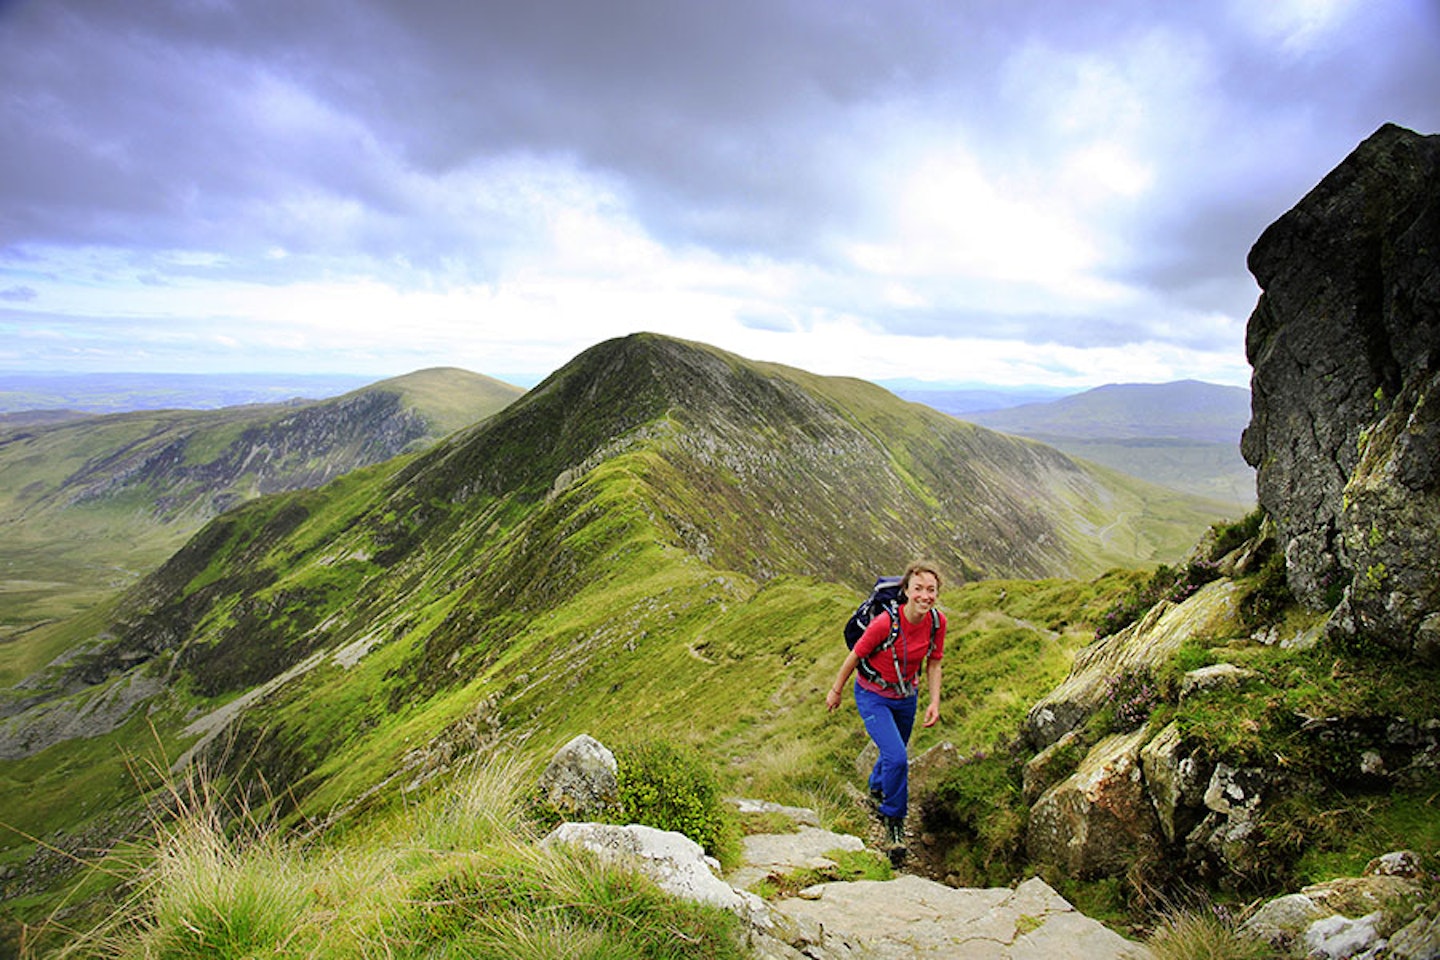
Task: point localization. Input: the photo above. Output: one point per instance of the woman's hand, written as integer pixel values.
(833, 698)
(932, 714)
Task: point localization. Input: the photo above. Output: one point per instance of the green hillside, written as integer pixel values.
(90, 505)
(660, 540)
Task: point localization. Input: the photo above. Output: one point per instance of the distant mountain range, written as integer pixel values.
(120, 392)
(959, 401)
(1184, 435)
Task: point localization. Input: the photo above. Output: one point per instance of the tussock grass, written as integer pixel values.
(483, 808)
(1204, 935)
(456, 875)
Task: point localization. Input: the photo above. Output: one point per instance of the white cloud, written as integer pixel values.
(1298, 25)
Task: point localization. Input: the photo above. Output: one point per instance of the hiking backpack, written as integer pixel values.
(886, 595)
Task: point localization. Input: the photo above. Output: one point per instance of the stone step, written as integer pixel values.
(909, 917)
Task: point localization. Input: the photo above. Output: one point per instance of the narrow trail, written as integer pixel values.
(909, 917)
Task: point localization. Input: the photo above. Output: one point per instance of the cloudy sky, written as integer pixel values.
(973, 191)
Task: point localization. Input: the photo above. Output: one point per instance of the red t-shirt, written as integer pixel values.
(909, 647)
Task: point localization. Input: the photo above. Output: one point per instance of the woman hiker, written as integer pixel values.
(886, 693)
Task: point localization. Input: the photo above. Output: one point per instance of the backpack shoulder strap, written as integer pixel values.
(893, 609)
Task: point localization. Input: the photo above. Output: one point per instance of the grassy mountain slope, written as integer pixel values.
(660, 540)
(88, 505)
(1184, 435)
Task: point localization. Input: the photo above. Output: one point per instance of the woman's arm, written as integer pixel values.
(932, 712)
(837, 689)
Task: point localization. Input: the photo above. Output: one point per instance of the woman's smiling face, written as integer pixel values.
(922, 591)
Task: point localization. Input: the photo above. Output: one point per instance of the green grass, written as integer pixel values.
(733, 673)
(1204, 935)
(457, 874)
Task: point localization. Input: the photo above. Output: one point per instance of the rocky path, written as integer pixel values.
(909, 917)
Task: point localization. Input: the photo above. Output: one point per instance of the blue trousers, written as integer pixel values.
(889, 722)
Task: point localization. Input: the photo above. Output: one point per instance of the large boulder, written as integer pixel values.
(581, 779)
(1345, 422)
(1099, 821)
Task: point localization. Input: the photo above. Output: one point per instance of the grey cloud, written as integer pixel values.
(729, 122)
(323, 127)
(1290, 117)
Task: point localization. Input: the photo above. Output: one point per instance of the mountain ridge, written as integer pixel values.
(615, 515)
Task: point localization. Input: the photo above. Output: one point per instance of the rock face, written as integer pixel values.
(1143, 645)
(1345, 394)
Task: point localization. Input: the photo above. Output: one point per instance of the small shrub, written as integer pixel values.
(1228, 536)
(668, 788)
(1133, 694)
(1268, 596)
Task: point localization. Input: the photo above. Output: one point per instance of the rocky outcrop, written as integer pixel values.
(1345, 424)
(89, 713)
(1100, 820)
(1382, 913)
(1142, 646)
(1102, 804)
(1345, 433)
